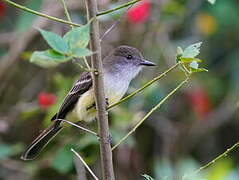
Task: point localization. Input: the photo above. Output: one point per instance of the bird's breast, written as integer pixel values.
(85, 108)
(115, 88)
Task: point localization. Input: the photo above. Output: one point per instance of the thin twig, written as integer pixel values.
(61, 20)
(151, 111)
(66, 12)
(236, 145)
(41, 14)
(117, 8)
(79, 64)
(145, 86)
(82, 128)
(86, 63)
(87, 167)
(115, 23)
(88, 69)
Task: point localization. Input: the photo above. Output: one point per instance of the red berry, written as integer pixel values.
(140, 13)
(45, 100)
(200, 101)
(2, 9)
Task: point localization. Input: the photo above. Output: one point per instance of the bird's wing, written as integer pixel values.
(79, 88)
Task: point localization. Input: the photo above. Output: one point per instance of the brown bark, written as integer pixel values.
(103, 126)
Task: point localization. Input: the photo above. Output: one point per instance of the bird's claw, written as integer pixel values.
(107, 102)
(109, 139)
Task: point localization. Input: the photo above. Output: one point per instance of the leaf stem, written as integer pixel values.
(41, 14)
(114, 24)
(88, 69)
(66, 12)
(145, 86)
(117, 8)
(86, 63)
(151, 111)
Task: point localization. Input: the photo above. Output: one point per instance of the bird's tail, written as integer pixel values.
(41, 141)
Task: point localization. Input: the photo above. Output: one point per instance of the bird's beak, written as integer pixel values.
(147, 63)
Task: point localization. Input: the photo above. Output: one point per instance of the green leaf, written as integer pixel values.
(192, 50)
(147, 177)
(211, 1)
(194, 65)
(63, 160)
(200, 70)
(49, 58)
(179, 51)
(188, 60)
(55, 41)
(81, 52)
(78, 37)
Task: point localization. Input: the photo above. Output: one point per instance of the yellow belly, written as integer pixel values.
(85, 108)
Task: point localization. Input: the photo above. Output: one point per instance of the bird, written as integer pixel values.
(120, 66)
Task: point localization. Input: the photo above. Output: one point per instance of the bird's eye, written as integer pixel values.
(129, 57)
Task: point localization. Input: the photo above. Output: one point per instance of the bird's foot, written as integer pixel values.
(109, 139)
(107, 102)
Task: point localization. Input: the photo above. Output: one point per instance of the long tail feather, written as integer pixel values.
(41, 141)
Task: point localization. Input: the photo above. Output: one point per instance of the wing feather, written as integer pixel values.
(80, 87)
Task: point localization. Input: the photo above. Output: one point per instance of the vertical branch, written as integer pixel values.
(96, 61)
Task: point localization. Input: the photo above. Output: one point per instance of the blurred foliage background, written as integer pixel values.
(193, 127)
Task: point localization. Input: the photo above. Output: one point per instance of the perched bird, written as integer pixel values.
(119, 68)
